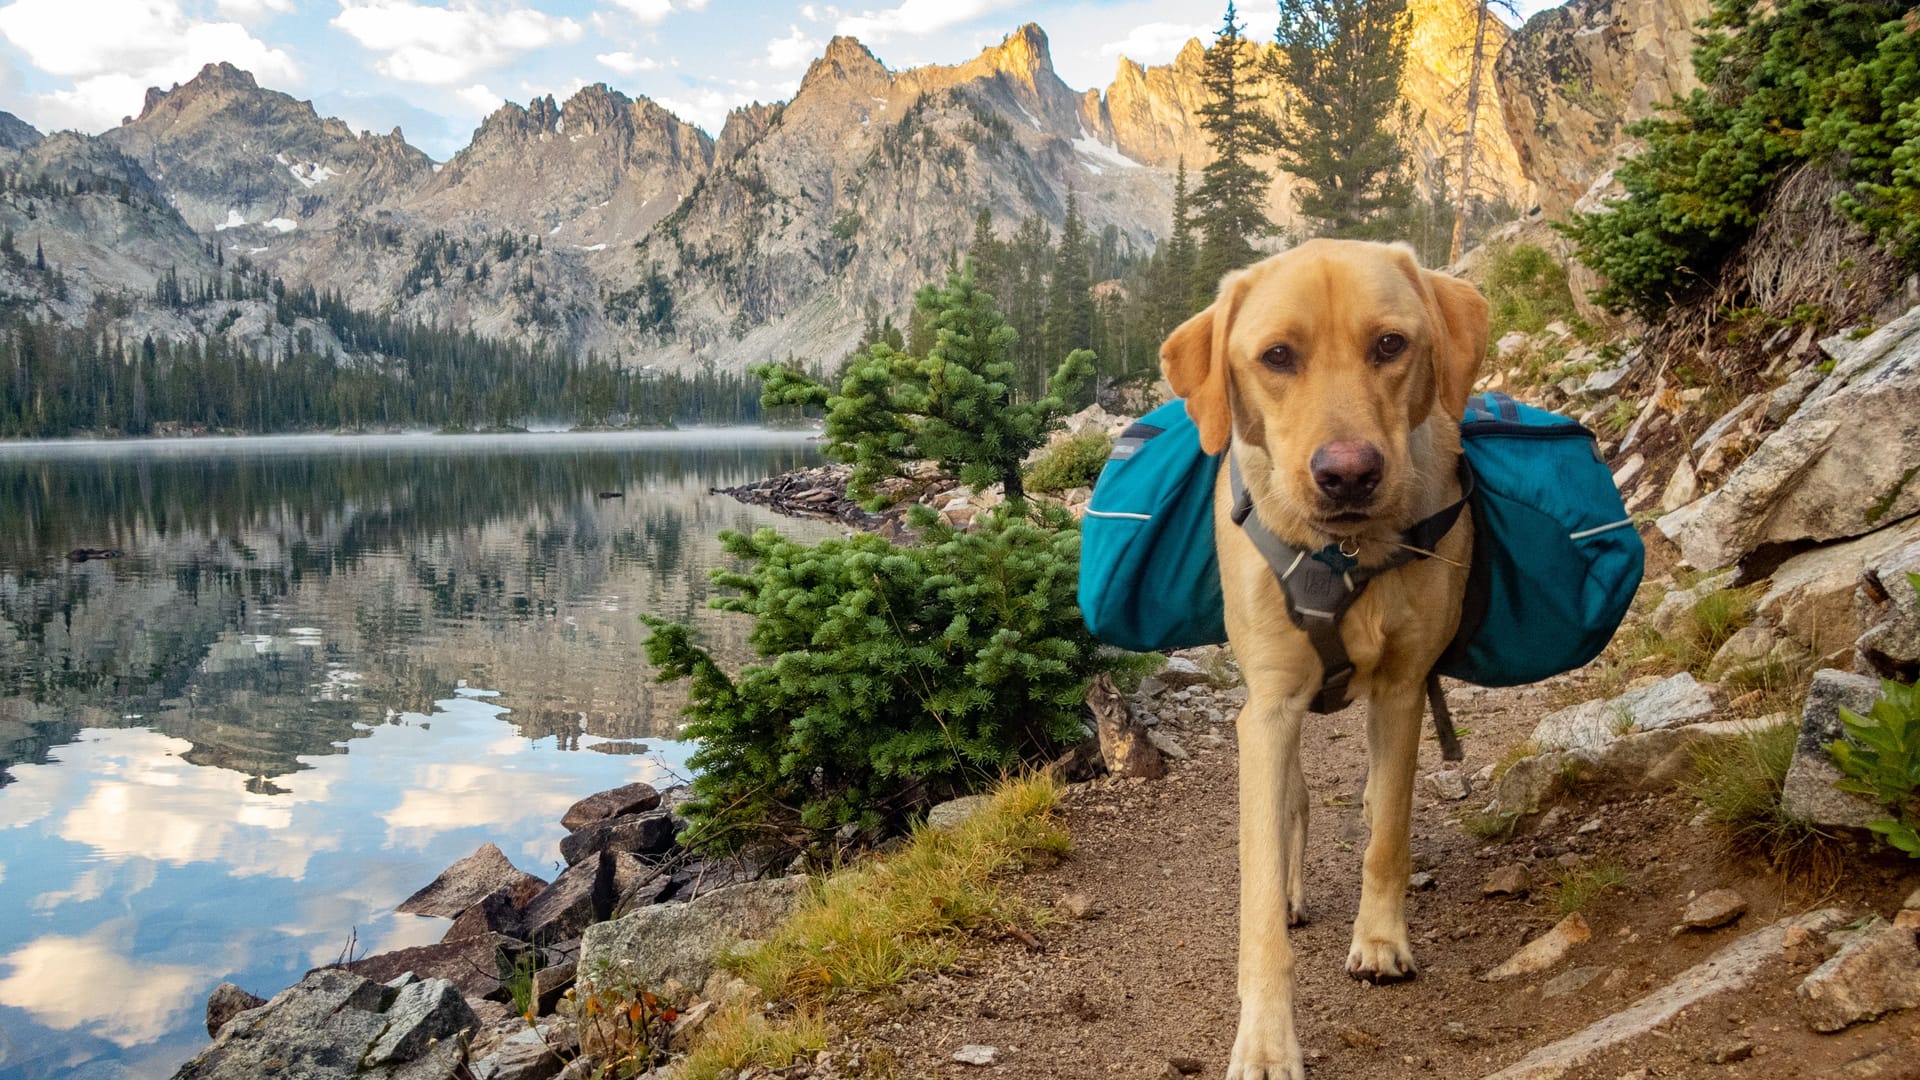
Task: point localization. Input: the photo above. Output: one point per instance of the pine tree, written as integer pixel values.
(1340, 134)
(1230, 205)
(1069, 319)
(1177, 290)
(956, 404)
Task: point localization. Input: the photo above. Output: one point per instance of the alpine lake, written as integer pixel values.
(307, 675)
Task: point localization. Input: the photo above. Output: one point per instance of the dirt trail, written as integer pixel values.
(1151, 979)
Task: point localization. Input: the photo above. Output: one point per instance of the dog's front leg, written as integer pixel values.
(1381, 952)
(1266, 1047)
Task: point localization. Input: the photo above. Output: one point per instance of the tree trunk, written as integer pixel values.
(1476, 73)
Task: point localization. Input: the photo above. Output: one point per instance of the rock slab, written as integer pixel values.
(1711, 910)
(618, 802)
(1672, 702)
(470, 881)
(642, 834)
(1876, 972)
(1808, 793)
(684, 941)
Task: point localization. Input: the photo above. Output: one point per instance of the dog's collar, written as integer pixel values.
(1320, 586)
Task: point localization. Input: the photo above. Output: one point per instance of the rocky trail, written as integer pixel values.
(1135, 978)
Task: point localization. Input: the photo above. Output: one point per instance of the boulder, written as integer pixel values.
(494, 914)
(1813, 596)
(1840, 467)
(1876, 972)
(335, 1025)
(226, 1002)
(1644, 761)
(1808, 792)
(421, 1014)
(647, 947)
(581, 895)
(1672, 702)
(532, 1053)
(618, 802)
(645, 834)
(478, 966)
(1889, 607)
(470, 881)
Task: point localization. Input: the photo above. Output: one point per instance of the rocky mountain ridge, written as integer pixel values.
(605, 223)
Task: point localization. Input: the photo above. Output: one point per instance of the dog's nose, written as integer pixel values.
(1347, 472)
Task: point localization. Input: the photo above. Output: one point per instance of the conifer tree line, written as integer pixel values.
(60, 380)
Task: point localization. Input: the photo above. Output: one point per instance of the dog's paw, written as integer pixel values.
(1296, 913)
(1381, 960)
(1266, 1048)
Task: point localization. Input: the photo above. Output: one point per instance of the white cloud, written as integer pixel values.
(627, 63)
(647, 11)
(1155, 42)
(792, 51)
(127, 46)
(253, 10)
(478, 99)
(440, 46)
(705, 106)
(915, 17)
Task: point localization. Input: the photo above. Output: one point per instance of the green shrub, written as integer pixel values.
(1526, 287)
(1075, 462)
(890, 674)
(1797, 81)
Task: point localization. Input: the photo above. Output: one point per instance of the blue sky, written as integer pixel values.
(435, 68)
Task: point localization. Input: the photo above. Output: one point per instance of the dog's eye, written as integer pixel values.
(1279, 358)
(1389, 346)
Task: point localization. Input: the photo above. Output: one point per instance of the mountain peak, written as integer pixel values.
(212, 80)
(1025, 51)
(845, 60)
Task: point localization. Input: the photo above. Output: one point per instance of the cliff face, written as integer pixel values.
(1573, 77)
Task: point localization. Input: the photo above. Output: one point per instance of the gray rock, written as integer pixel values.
(470, 881)
(583, 894)
(549, 983)
(618, 802)
(1808, 794)
(953, 812)
(1841, 466)
(1813, 597)
(1644, 761)
(1181, 671)
(479, 965)
(1890, 610)
(1711, 910)
(974, 1054)
(1677, 603)
(532, 1053)
(683, 941)
(1876, 972)
(1421, 881)
(1449, 784)
(331, 1026)
(421, 1014)
(1167, 745)
(1671, 702)
(226, 1002)
(1570, 981)
(1788, 395)
(1681, 487)
(1731, 969)
(645, 834)
(495, 914)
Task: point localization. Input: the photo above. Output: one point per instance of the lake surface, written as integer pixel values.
(321, 670)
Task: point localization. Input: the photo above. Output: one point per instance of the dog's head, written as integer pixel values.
(1325, 359)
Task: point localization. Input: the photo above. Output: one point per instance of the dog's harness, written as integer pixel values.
(1320, 586)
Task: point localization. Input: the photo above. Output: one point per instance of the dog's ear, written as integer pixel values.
(1194, 358)
(1462, 342)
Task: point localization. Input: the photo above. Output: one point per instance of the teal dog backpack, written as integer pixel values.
(1556, 559)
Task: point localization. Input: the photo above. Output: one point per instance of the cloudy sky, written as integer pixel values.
(436, 67)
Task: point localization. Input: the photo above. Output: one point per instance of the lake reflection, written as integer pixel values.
(322, 670)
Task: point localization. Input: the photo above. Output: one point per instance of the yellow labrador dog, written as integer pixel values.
(1338, 372)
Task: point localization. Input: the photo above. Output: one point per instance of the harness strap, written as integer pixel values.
(1321, 586)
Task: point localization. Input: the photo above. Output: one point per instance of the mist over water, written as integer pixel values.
(320, 670)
